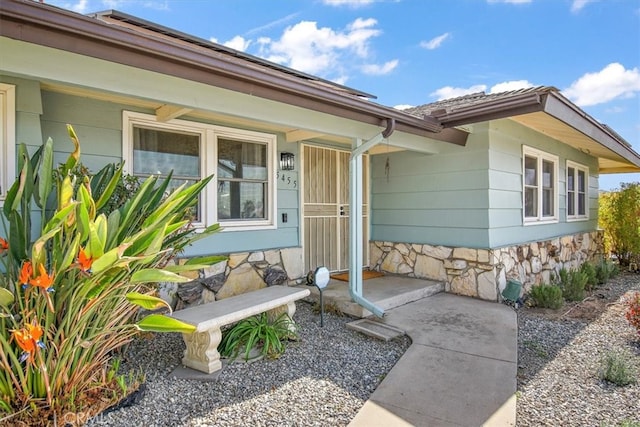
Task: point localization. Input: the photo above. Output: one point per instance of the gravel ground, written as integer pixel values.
(323, 379)
(559, 357)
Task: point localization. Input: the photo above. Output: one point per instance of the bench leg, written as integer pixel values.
(202, 351)
(291, 310)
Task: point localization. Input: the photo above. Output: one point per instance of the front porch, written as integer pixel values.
(387, 292)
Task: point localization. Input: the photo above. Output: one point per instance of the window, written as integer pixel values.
(577, 176)
(540, 183)
(242, 194)
(7, 138)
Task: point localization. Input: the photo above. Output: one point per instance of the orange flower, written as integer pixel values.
(84, 262)
(4, 246)
(25, 273)
(43, 281)
(28, 339)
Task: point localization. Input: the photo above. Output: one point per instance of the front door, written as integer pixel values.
(326, 208)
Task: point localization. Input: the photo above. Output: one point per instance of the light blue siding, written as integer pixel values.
(471, 196)
(98, 124)
(439, 199)
(506, 224)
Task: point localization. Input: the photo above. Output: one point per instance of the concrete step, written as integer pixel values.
(387, 292)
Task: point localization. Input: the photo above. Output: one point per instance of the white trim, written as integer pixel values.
(7, 138)
(578, 168)
(540, 156)
(209, 135)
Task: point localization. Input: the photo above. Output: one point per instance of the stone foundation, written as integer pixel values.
(483, 273)
(240, 273)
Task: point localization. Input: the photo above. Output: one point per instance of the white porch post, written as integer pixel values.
(356, 225)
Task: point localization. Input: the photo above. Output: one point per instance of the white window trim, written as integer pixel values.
(7, 138)
(577, 167)
(540, 156)
(209, 135)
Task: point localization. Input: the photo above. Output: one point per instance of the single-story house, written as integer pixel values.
(470, 191)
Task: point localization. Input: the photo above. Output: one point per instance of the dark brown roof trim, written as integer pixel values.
(480, 107)
(116, 15)
(561, 108)
(57, 28)
(494, 109)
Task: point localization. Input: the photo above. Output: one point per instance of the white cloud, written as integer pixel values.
(612, 82)
(509, 86)
(378, 70)
(403, 106)
(238, 43)
(321, 51)
(80, 6)
(447, 92)
(577, 5)
(349, 3)
(435, 42)
(454, 92)
(510, 1)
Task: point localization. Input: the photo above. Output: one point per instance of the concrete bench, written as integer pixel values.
(202, 345)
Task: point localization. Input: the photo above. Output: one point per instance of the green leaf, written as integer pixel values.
(71, 251)
(16, 193)
(38, 251)
(110, 188)
(109, 258)
(208, 260)
(45, 173)
(160, 323)
(6, 297)
(58, 218)
(151, 275)
(75, 155)
(18, 237)
(185, 267)
(148, 302)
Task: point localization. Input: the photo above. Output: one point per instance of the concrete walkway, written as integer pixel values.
(460, 369)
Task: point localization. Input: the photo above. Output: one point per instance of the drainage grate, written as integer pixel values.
(375, 329)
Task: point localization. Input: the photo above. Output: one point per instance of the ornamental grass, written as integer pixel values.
(74, 274)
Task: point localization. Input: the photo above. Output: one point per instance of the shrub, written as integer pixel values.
(632, 313)
(589, 270)
(616, 368)
(618, 216)
(606, 270)
(263, 331)
(572, 283)
(547, 296)
(65, 296)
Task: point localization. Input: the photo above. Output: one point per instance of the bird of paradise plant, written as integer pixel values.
(73, 276)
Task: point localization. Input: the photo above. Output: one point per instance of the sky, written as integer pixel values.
(412, 52)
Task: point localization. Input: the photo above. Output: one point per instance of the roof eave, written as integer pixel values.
(551, 103)
(61, 29)
(562, 109)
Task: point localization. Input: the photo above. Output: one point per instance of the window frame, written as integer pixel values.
(209, 135)
(577, 167)
(7, 138)
(541, 157)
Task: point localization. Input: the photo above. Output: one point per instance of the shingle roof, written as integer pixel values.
(473, 99)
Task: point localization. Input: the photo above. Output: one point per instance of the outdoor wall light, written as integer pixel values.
(287, 161)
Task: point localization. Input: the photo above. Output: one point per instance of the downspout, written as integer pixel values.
(355, 217)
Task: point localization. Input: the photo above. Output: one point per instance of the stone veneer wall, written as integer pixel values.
(483, 273)
(240, 273)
